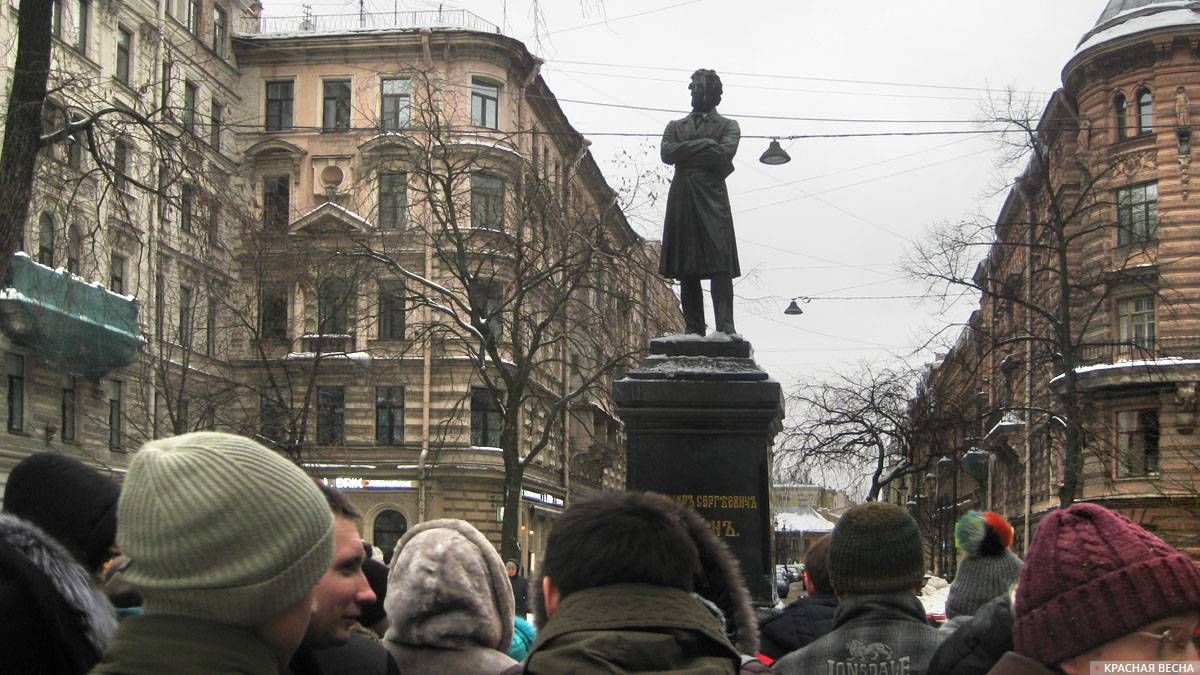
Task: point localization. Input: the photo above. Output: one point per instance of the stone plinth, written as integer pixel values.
(700, 418)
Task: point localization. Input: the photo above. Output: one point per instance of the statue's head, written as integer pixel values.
(706, 90)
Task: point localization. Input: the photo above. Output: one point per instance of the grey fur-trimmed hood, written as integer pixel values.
(447, 588)
(73, 582)
(721, 583)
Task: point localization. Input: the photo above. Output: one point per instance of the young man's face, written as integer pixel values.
(341, 592)
(1145, 644)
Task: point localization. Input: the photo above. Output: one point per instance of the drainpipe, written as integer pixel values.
(1031, 240)
(426, 383)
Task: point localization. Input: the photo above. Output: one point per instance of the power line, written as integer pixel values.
(679, 111)
(612, 20)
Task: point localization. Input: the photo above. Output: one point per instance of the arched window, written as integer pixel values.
(389, 527)
(74, 249)
(1145, 103)
(45, 254)
(1122, 114)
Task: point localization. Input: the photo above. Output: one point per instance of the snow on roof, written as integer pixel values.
(1165, 362)
(801, 519)
(1134, 21)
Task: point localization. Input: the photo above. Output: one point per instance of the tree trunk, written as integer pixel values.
(23, 124)
(514, 477)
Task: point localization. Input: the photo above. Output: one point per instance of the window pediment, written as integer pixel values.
(329, 218)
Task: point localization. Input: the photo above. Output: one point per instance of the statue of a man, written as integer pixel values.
(698, 241)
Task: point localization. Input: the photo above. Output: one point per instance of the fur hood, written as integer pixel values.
(447, 588)
(73, 583)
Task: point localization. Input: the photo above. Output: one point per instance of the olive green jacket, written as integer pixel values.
(154, 645)
(632, 628)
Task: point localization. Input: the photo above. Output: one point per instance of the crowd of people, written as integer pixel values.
(218, 555)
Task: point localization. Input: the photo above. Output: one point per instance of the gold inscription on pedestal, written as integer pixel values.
(721, 528)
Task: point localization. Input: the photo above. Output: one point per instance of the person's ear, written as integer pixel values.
(550, 596)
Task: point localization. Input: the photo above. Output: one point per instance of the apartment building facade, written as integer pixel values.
(1086, 331)
(362, 244)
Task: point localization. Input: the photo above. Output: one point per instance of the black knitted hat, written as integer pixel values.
(876, 548)
(71, 501)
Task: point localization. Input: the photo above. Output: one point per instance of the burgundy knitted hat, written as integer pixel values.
(1091, 576)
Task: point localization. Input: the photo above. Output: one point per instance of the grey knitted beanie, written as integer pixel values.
(876, 548)
(988, 567)
(219, 527)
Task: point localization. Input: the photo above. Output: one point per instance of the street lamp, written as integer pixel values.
(793, 308)
(774, 155)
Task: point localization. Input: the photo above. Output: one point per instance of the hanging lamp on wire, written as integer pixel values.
(793, 308)
(775, 155)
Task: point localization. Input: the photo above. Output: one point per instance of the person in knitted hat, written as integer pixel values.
(449, 602)
(1097, 587)
(86, 523)
(988, 567)
(876, 565)
(807, 618)
(225, 541)
(634, 582)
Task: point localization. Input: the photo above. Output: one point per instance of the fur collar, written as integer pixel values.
(73, 582)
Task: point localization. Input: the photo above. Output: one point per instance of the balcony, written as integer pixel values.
(1165, 360)
(458, 19)
(74, 325)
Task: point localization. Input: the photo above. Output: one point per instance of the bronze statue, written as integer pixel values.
(698, 241)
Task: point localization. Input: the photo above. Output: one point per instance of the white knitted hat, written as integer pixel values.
(219, 527)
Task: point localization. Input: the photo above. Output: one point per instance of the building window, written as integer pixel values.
(273, 312)
(220, 31)
(185, 316)
(331, 414)
(187, 199)
(69, 409)
(74, 249)
(1135, 319)
(192, 21)
(75, 145)
(163, 193)
(45, 254)
(1137, 443)
(116, 274)
(1121, 110)
(389, 527)
(160, 305)
(124, 53)
(115, 415)
(190, 92)
(389, 415)
(279, 105)
(395, 105)
(56, 18)
(168, 68)
(81, 11)
(1145, 103)
(333, 307)
(14, 365)
(336, 111)
(484, 99)
(391, 310)
(214, 223)
(393, 200)
(487, 202)
(486, 419)
(121, 165)
(1137, 214)
(276, 199)
(218, 120)
(273, 413)
(485, 299)
(210, 328)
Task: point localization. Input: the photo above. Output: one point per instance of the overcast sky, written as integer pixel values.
(833, 224)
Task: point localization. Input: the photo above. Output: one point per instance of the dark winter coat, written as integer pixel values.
(157, 644)
(977, 644)
(1013, 663)
(520, 590)
(800, 623)
(359, 656)
(632, 628)
(698, 238)
(868, 632)
(56, 620)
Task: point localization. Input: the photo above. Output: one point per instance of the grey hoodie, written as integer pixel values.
(449, 601)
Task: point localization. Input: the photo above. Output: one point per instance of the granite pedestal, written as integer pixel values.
(700, 418)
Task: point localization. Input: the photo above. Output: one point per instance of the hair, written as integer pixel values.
(816, 564)
(338, 503)
(712, 84)
(621, 537)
